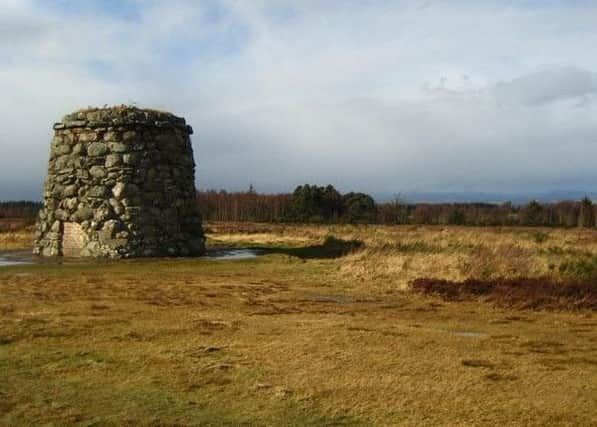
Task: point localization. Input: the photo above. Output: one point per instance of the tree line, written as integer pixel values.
(318, 204)
(325, 204)
(19, 209)
(308, 203)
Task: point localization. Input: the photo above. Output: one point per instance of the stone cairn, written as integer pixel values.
(121, 183)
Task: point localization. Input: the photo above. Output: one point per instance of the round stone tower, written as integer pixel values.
(121, 183)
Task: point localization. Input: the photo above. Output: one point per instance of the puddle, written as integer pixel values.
(24, 257)
(15, 258)
(469, 334)
(233, 254)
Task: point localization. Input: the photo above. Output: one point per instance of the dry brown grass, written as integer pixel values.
(289, 339)
(393, 256)
(16, 239)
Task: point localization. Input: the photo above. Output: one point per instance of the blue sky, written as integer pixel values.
(376, 96)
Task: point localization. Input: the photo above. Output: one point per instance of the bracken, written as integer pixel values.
(523, 292)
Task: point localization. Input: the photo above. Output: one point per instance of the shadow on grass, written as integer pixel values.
(332, 247)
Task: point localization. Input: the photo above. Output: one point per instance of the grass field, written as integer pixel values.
(15, 234)
(322, 330)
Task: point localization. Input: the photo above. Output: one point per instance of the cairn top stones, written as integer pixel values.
(121, 116)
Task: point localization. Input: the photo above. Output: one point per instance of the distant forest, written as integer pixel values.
(19, 209)
(317, 204)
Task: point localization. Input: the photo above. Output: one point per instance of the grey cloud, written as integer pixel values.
(19, 30)
(548, 85)
(443, 142)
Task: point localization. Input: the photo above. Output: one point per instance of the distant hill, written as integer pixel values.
(475, 197)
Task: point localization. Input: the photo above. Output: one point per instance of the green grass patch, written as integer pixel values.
(580, 268)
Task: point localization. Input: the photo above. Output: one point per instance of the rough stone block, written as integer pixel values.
(117, 147)
(97, 171)
(97, 149)
(113, 160)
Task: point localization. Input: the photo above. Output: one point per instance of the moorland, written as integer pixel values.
(329, 325)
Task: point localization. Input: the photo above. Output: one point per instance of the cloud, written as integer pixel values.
(375, 96)
(548, 85)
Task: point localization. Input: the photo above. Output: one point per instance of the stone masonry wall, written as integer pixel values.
(120, 184)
